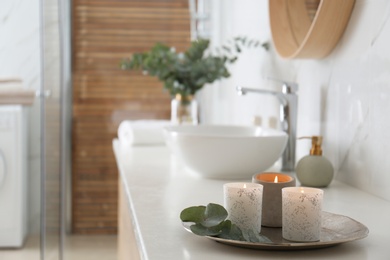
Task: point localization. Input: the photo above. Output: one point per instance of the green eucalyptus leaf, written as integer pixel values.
(226, 48)
(255, 237)
(214, 215)
(230, 231)
(265, 46)
(200, 230)
(236, 233)
(193, 214)
(238, 49)
(250, 236)
(223, 227)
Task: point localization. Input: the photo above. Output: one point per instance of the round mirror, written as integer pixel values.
(308, 28)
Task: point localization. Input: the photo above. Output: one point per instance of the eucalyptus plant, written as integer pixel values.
(211, 220)
(187, 72)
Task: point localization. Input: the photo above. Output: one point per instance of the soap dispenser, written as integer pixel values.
(314, 170)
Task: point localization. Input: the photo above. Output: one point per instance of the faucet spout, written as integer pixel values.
(243, 91)
(288, 118)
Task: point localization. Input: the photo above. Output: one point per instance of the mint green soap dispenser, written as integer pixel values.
(314, 170)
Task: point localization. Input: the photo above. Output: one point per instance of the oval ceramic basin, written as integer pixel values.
(226, 152)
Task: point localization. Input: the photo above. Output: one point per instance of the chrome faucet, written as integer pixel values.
(288, 117)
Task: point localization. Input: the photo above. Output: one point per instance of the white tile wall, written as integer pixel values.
(344, 97)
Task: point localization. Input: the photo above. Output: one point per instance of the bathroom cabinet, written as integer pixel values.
(127, 245)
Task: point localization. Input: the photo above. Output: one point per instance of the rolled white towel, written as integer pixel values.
(142, 132)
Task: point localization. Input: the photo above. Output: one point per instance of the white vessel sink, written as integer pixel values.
(226, 151)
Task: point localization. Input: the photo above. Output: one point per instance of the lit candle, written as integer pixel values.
(273, 183)
(302, 209)
(243, 203)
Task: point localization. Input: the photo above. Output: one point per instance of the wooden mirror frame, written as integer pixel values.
(296, 36)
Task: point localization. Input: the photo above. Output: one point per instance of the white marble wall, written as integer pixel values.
(345, 97)
(20, 58)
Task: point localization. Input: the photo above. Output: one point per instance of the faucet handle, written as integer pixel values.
(288, 86)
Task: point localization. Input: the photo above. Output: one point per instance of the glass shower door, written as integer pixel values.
(54, 135)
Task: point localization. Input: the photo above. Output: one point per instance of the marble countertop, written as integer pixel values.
(158, 188)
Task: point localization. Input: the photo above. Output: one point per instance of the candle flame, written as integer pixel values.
(302, 190)
(276, 179)
(245, 186)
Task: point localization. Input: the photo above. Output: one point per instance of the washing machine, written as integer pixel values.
(13, 182)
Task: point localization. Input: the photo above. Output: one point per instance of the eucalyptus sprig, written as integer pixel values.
(187, 72)
(211, 220)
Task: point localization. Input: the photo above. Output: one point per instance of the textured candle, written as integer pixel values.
(273, 183)
(243, 203)
(302, 210)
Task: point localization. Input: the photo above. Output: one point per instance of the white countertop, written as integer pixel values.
(159, 188)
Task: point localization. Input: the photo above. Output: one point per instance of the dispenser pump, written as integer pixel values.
(316, 142)
(314, 170)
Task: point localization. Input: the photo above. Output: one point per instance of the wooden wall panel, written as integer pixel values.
(104, 32)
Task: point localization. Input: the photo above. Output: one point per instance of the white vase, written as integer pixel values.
(184, 110)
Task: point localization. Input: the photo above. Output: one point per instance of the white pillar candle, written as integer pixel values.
(302, 210)
(243, 202)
